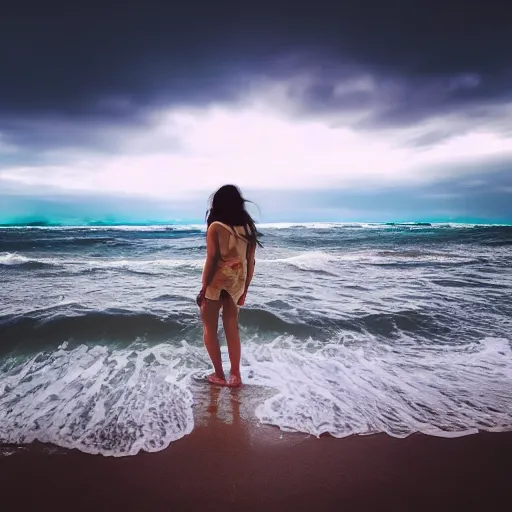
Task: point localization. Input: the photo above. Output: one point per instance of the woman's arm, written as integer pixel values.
(251, 253)
(212, 256)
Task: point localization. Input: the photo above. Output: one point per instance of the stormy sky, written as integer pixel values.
(340, 111)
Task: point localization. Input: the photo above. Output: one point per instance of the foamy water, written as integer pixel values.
(113, 402)
(121, 401)
(356, 329)
(344, 390)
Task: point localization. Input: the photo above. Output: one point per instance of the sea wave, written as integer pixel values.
(84, 264)
(70, 322)
(444, 391)
(381, 225)
(104, 227)
(319, 261)
(56, 244)
(312, 260)
(134, 264)
(323, 260)
(8, 259)
(263, 225)
(73, 322)
(101, 401)
(120, 401)
(356, 329)
(58, 324)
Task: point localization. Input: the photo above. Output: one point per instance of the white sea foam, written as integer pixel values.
(306, 225)
(320, 260)
(113, 402)
(12, 258)
(444, 391)
(313, 260)
(136, 264)
(260, 225)
(120, 401)
(111, 263)
(307, 261)
(403, 257)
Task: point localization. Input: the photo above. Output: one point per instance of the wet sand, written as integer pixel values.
(229, 462)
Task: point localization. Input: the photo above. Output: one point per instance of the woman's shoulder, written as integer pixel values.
(219, 229)
(241, 229)
(217, 223)
(214, 226)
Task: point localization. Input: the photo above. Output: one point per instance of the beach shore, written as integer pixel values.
(230, 462)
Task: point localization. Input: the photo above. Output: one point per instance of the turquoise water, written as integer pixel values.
(112, 221)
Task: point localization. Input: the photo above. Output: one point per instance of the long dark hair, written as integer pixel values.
(227, 205)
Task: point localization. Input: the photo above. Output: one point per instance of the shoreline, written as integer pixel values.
(231, 462)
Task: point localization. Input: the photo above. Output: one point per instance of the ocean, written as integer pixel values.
(354, 328)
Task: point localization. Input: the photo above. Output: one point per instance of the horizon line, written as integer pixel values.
(194, 223)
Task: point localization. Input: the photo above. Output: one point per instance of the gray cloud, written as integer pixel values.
(378, 100)
(429, 138)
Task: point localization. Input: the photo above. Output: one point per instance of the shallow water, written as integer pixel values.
(357, 329)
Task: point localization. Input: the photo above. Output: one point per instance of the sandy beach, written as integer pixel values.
(230, 462)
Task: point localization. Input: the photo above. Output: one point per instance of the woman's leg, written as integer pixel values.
(210, 315)
(230, 321)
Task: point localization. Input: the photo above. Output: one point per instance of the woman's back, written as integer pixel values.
(232, 241)
(231, 272)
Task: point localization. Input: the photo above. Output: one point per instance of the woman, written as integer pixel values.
(231, 240)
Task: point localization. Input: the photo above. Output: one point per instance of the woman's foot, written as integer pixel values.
(234, 381)
(216, 380)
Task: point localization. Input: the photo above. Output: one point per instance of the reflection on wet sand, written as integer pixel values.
(234, 411)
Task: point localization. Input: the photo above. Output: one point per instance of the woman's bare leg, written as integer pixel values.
(230, 321)
(210, 315)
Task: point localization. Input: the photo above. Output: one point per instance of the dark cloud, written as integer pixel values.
(386, 100)
(416, 100)
(429, 138)
(40, 136)
(57, 57)
(71, 76)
